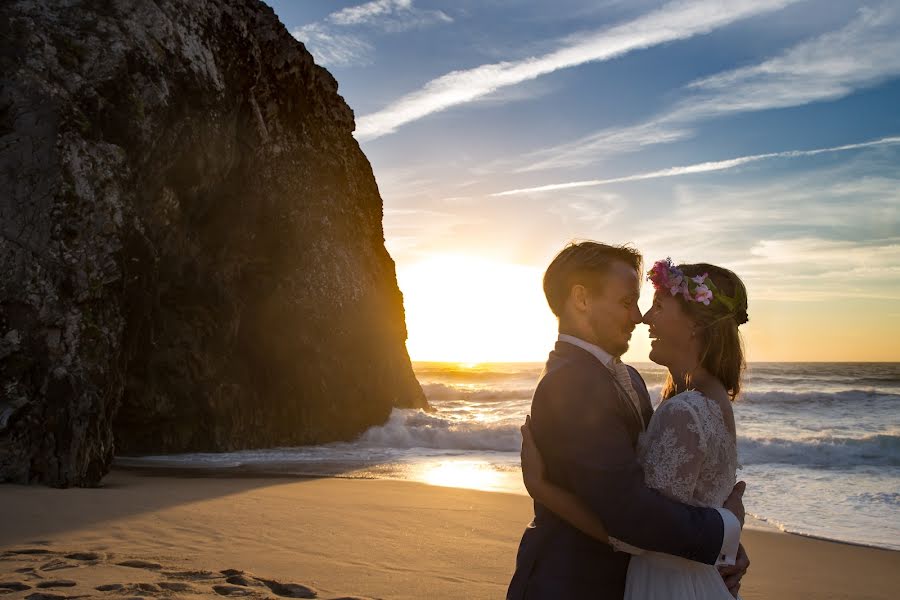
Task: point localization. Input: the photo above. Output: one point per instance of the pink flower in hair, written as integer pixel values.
(659, 274)
(676, 284)
(666, 276)
(702, 294)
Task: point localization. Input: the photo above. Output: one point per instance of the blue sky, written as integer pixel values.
(762, 135)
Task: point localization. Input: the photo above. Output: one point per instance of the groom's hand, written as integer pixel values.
(733, 574)
(735, 502)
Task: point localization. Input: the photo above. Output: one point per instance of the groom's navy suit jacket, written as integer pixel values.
(587, 435)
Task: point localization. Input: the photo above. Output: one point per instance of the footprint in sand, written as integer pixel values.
(57, 583)
(289, 590)
(242, 585)
(241, 580)
(86, 556)
(140, 564)
(177, 586)
(191, 575)
(233, 590)
(170, 583)
(57, 565)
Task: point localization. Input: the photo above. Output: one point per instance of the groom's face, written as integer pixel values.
(613, 311)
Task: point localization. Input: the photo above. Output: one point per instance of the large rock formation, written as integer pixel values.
(190, 241)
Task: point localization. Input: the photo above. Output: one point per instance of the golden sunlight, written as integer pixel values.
(471, 474)
(470, 310)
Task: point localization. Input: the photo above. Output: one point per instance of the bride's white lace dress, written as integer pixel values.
(689, 454)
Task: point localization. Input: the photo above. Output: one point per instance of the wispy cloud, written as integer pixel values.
(863, 53)
(821, 234)
(704, 167)
(368, 12)
(338, 39)
(675, 21)
(824, 268)
(389, 15)
(334, 49)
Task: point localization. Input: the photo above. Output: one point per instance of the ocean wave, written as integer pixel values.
(834, 452)
(877, 498)
(479, 392)
(441, 391)
(409, 428)
(841, 397)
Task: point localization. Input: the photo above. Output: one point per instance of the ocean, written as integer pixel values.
(818, 443)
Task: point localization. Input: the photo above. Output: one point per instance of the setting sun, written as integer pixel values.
(470, 310)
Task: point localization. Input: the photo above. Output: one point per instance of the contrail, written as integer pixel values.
(705, 167)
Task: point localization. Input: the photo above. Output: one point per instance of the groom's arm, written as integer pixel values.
(730, 553)
(579, 427)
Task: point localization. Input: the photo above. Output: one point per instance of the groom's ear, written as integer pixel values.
(578, 296)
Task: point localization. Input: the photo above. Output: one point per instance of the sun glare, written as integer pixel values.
(470, 310)
(471, 474)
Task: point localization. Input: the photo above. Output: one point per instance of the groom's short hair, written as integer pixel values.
(585, 263)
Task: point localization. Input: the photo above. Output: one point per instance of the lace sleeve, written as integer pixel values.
(675, 451)
(673, 456)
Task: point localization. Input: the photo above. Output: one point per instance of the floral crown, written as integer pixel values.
(666, 276)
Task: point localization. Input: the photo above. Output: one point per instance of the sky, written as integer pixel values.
(760, 135)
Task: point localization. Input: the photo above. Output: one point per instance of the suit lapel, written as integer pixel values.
(568, 351)
(641, 389)
(633, 410)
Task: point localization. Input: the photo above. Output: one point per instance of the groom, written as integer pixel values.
(587, 412)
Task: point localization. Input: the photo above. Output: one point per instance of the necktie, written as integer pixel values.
(620, 371)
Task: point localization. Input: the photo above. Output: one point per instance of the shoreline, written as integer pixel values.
(346, 538)
(753, 523)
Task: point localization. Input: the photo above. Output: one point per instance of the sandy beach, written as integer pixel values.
(156, 536)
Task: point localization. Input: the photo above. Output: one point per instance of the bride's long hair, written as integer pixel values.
(722, 350)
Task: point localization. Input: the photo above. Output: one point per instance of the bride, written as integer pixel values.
(689, 449)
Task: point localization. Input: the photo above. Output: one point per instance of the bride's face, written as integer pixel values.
(672, 335)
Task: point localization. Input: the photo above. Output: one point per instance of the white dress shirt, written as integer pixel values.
(732, 536)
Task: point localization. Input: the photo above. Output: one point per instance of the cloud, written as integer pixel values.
(388, 15)
(608, 141)
(579, 214)
(837, 201)
(824, 234)
(823, 269)
(338, 40)
(368, 12)
(334, 49)
(675, 21)
(704, 167)
(862, 54)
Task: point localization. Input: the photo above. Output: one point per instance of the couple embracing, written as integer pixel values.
(630, 503)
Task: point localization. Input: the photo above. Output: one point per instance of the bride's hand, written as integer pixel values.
(533, 468)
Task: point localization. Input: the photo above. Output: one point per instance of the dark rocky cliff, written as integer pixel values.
(191, 246)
